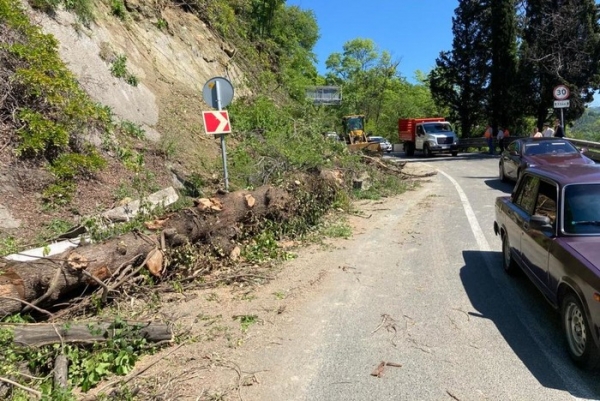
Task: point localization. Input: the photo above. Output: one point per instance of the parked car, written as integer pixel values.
(332, 135)
(529, 152)
(550, 229)
(384, 144)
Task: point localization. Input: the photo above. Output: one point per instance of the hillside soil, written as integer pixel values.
(172, 66)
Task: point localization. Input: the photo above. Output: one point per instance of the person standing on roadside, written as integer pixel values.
(547, 132)
(489, 137)
(500, 138)
(536, 133)
(558, 129)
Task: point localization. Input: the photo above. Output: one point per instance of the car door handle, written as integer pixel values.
(526, 226)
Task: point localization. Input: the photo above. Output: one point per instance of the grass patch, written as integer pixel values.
(246, 321)
(118, 69)
(8, 245)
(338, 230)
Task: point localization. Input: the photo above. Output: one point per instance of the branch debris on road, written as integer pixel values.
(378, 372)
(390, 325)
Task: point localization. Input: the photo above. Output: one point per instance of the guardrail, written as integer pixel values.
(593, 148)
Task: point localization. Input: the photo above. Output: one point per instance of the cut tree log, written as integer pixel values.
(46, 280)
(39, 334)
(61, 371)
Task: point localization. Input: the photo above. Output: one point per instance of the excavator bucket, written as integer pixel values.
(367, 147)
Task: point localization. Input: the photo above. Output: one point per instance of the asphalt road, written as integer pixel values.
(425, 290)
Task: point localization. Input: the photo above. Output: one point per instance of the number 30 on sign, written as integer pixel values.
(561, 92)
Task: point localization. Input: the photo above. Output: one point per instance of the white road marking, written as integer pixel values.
(533, 328)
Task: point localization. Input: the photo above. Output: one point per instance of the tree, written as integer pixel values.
(460, 80)
(503, 69)
(561, 45)
(364, 75)
(371, 85)
(295, 33)
(263, 14)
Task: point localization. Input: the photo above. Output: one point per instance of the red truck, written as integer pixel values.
(429, 135)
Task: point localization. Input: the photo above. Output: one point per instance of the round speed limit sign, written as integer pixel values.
(561, 92)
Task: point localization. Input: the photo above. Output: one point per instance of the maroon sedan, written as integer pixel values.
(530, 152)
(550, 229)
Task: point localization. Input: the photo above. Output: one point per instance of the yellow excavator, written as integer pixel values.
(355, 135)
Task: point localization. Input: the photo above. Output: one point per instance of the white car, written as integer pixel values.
(384, 144)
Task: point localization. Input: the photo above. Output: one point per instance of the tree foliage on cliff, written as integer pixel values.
(275, 40)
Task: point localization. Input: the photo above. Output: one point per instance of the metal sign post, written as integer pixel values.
(218, 92)
(223, 148)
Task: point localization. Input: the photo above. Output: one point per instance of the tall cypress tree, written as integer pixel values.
(504, 63)
(461, 77)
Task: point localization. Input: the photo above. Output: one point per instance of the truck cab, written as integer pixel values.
(428, 135)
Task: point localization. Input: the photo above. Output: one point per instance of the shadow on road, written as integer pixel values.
(517, 308)
(496, 183)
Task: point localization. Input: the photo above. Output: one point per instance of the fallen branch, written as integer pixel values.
(211, 221)
(39, 334)
(390, 325)
(378, 372)
(384, 166)
(22, 387)
(44, 311)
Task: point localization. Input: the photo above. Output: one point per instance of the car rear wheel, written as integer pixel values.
(454, 154)
(508, 263)
(501, 173)
(580, 344)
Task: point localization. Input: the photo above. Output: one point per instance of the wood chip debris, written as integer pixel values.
(206, 204)
(378, 372)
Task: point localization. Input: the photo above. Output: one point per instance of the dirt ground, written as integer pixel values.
(222, 329)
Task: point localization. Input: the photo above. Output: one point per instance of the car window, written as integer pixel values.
(545, 204)
(526, 196)
(549, 147)
(532, 149)
(582, 209)
(437, 127)
(513, 146)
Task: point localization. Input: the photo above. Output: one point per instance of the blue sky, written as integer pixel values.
(413, 31)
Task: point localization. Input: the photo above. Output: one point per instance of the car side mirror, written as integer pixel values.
(540, 223)
(583, 150)
(513, 153)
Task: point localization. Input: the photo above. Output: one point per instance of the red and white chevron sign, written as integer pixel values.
(216, 122)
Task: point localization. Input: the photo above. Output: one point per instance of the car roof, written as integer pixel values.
(569, 173)
(542, 139)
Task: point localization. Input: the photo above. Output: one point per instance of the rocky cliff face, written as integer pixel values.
(172, 54)
(179, 58)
